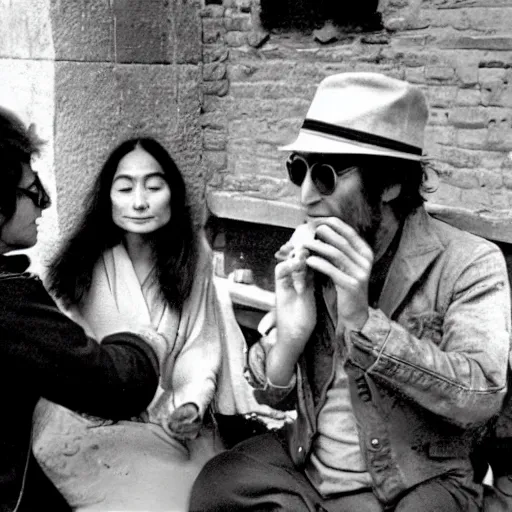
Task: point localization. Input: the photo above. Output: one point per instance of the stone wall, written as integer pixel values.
(90, 73)
(223, 94)
(259, 85)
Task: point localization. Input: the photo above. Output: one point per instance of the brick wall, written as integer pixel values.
(258, 86)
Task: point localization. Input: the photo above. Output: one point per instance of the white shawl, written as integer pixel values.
(138, 466)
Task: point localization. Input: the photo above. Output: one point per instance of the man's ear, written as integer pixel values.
(391, 193)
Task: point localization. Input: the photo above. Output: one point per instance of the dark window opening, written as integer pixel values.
(213, 2)
(311, 14)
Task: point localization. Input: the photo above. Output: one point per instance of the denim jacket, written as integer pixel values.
(427, 370)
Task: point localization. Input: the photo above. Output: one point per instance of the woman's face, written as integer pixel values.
(20, 231)
(141, 198)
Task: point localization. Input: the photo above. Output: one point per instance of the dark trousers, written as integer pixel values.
(259, 475)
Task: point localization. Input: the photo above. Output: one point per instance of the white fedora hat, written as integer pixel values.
(364, 113)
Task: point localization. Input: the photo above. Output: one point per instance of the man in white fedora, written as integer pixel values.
(391, 331)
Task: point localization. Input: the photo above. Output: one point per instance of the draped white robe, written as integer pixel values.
(138, 465)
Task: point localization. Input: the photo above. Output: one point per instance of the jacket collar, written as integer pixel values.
(418, 248)
(14, 264)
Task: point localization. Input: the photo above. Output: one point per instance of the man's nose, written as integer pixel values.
(308, 192)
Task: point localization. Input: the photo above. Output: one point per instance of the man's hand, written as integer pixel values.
(185, 421)
(341, 254)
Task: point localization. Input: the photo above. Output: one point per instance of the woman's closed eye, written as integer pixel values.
(123, 189)
(122, 185)
(155, 183)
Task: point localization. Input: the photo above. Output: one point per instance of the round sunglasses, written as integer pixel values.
(39, 197)
(323, 175)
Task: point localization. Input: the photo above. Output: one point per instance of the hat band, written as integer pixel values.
(357, 136)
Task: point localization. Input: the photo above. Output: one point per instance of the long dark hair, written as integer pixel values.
(379, 173)
(174, 245)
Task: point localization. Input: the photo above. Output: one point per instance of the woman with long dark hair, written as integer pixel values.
(135, 260)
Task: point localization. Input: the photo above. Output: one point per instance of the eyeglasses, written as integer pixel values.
(323, 175)
(39, 197)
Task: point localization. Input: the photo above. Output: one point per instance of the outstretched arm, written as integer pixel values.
(115, 379)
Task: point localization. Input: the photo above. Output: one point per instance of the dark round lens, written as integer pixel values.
(324, 178)
(297, 170)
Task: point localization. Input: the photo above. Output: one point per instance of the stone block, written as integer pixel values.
(187, 30)
(499, 137)
(492, 74)
(439, 73)
(215, 53)
(475, 198)
(213, 30)
(83, 31)
(410, 59)
(447, 194)
(414, 41)
(463, 178)
(244, 5)
(507, 180)
(441, 96)
(212, 11)
(274, 71)
(467, 72)
(214, 71)
(439, 116)
(445, 135)
(247, 128)
(490, 179)
(469, 117)
(211, 103)
(214, 161)
(500, 199)
(216, 120)
(245, 90)
(497, 93)
(415, 75)
(468, 97)
(486, 43)
(472, 139)
(458, 158)
(217, 87)
(142, 31)
(235, 39)
(238, 22)
(214, 140)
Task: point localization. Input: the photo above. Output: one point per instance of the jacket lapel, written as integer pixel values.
(418, 248)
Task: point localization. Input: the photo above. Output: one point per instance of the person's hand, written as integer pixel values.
(341, 254)
(295, 301)
(185, 421)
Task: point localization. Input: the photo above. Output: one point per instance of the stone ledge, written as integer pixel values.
(495, 43)
(493, 225)
(237, 206)
(248, 295)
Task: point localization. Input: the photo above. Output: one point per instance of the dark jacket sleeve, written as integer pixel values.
(115, 379)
